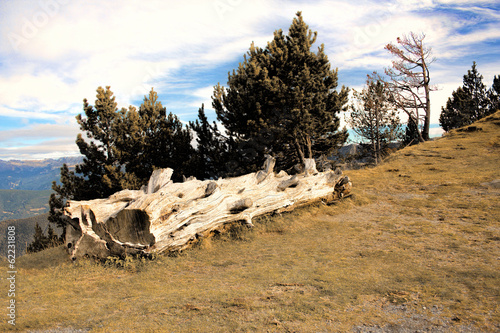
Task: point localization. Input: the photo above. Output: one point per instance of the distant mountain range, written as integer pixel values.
(32, 174)
(25, 186)
(18, 204)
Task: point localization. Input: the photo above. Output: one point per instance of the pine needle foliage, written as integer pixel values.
(282, 100)
(470, 102)
(374, 118)
(121, 150)
(41, 241)
(211, 148)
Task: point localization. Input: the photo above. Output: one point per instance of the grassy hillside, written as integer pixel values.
(415, 249)
(18, 204)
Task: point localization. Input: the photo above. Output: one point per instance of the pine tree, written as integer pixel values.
(52, 239)
(121, 150)
(211, 149)
(176, 149)
(374, 118)
(457, 111)
(151, 139)
(468, 103)
(282, 101)
(476, 90)
(412, 133)
(129, 149)
(39, 242)
(99, 178)
(494, 95)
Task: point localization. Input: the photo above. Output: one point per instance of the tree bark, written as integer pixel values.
(309, 146)
(426, 81)
(300, 152)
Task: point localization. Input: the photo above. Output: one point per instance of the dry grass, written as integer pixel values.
(416, 247)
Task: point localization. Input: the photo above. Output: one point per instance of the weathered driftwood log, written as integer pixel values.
(168, 216)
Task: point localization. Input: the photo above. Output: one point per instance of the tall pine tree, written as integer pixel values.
(468, 103)
(99, 148)
(494, 95)
(374, 118)
(121, 150)
(476, 90)
(151, 139)
(96, 177)
(282, 100)
(211, 148)
(456, 113)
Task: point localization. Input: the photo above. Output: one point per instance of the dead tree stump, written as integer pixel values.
(167, 216)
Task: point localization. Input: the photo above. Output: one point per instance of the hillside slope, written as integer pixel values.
(25, 229)
(415, 249)
(18, 204)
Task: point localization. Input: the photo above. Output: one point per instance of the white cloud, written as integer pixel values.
(466, 2)
(39, 131)
(39, 141)
(130, 47)
(46, 149)
(490, 33)
(66, 118)
(66, 49)
(203, 95)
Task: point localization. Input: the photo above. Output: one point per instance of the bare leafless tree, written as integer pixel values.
(408, 80)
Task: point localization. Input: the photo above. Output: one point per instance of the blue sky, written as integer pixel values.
(55, 53)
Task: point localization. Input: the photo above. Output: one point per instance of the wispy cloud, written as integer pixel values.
(39, 141)
(40, 132)
(53, 148)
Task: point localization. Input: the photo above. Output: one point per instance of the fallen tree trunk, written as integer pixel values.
(167, 216)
